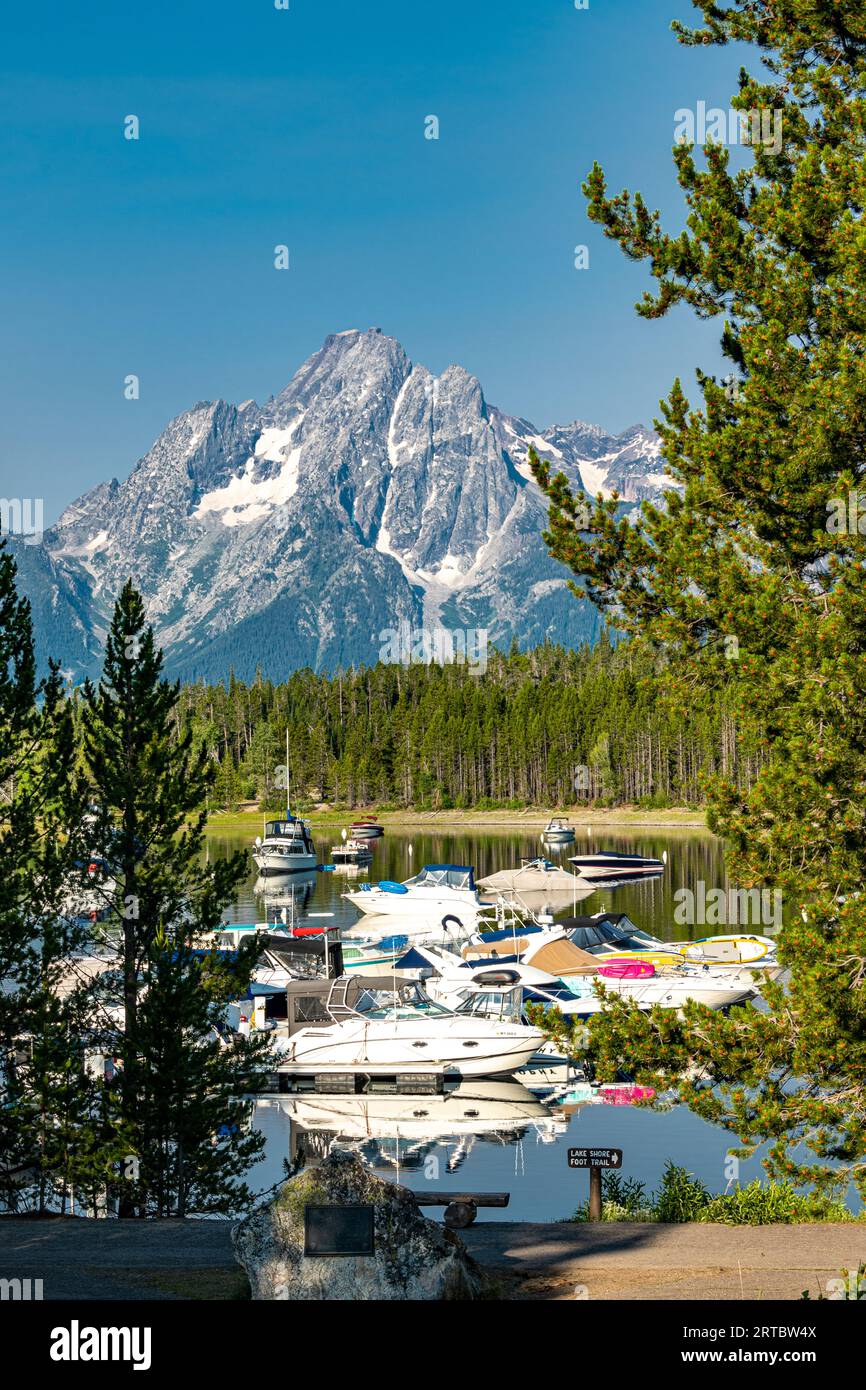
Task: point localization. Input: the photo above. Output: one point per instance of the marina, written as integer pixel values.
(499, 1131)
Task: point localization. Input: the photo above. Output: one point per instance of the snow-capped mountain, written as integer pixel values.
(367, 494)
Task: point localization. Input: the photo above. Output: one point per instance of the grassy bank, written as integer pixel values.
(534, 818)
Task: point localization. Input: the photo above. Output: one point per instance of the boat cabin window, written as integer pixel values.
(503, 1004)
(308, 1008)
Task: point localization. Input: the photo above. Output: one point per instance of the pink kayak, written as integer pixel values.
(627, 970)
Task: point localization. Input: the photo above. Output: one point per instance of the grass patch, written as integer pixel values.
(683, 1197)
(211, 1285)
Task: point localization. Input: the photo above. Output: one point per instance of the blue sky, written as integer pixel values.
(306, 127)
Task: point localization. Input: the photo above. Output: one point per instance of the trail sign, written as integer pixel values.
(595, 1158)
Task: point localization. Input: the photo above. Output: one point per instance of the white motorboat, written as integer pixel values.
(578, 972)
(355, 1033)
(558, 832)
(89, 893)
(439, 893)
(286, 847)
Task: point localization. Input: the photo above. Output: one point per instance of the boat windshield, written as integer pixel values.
(604, 936)
(443, 876)
(407, 1002)
(504, 1004)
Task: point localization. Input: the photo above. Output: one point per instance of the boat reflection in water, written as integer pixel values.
(398, 1129)
(290, 893)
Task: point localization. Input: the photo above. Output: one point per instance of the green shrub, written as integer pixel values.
(760, 1204)
(682, 1197)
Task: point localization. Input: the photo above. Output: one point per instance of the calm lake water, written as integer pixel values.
(492, 1136)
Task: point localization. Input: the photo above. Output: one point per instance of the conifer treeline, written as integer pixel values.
(546, 727)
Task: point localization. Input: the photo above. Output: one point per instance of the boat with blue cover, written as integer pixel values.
(443, 894)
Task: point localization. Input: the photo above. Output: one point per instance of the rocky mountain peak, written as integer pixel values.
(366, 493)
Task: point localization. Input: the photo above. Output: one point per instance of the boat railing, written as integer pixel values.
(337, 1003)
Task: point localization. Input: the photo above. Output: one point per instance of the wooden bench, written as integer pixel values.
(461, 1208)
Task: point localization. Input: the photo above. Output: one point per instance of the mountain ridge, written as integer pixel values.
(366, 494)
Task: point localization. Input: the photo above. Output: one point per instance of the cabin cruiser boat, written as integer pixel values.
(558, 832)
(439, 893)
(287, 846)
(379, 941)
(352, 1031)
(368, 829)
(624, 868)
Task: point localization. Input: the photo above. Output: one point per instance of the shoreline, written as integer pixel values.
(582, 817)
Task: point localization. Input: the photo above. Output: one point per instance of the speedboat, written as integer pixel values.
(607, 865)
(287, 846)
(440, 893)
(351, 1031)
(368, 829)
(558, 832)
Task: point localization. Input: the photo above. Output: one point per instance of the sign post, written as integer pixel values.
(595, 1160)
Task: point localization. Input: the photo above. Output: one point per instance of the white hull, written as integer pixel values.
(480, 1108)
(412, 1047)
(670, 993)
(419, 907)
(275, 862)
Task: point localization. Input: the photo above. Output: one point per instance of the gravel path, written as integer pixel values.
(82, 1259)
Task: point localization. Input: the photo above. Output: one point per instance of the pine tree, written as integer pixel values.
(177, 1083)
(44, 1089)
(751, 578)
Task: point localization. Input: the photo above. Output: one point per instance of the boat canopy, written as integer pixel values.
(509, 933)
(290, 827)
(560, 957)
(445, 876)
(613, 931)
